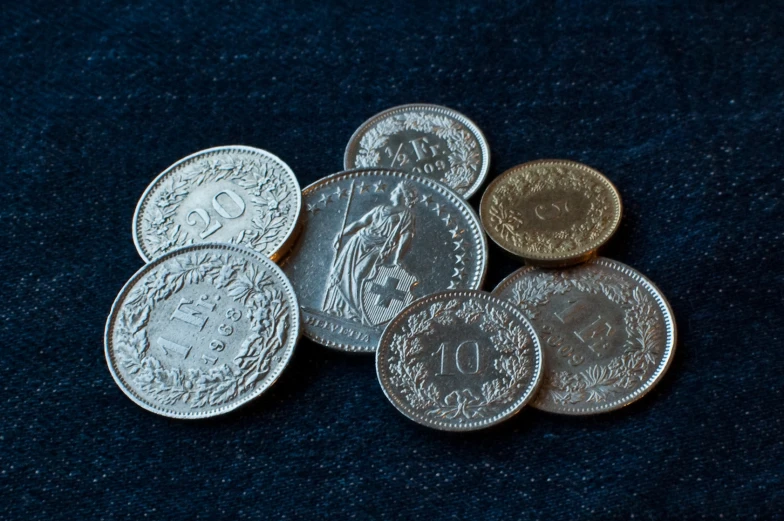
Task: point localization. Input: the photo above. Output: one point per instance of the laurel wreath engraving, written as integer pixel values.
(507, 221)
(513, 363)
(263, 179)
(464, 158)
(267, 310)
(596, 383)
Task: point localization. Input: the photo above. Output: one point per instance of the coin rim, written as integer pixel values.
(142, 203)
(669, 322)
(525, 397)
(271, 378)
(349, 163)
(555, 260)
(364, 172)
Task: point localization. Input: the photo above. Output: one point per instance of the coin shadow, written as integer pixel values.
(305, 371)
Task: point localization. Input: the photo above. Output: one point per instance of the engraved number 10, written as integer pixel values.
(448, 363)
(220, 209)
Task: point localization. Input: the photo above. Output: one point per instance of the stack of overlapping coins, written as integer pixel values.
(387, 258)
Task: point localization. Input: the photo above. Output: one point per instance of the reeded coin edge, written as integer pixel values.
(285, 240)
(578, 255)
(353, 142)
(526, 396)
(466, 209)
(269, 380)
(670, 345)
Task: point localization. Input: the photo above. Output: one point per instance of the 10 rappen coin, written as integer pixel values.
(459, 361)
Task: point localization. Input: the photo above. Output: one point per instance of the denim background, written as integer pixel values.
(680, 105)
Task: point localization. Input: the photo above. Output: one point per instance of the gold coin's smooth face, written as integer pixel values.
(551, 212)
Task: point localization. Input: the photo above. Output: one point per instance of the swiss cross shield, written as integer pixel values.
(386, 294)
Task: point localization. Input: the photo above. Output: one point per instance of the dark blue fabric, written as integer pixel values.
(680, 105)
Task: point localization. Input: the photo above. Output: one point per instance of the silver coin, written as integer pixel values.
(608, 333)
(429, 140)
(373, 241)
(201, 330)
(232, 194)
(459, 361)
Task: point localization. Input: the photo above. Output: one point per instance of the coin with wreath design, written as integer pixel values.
(551, 212)
(231, 194)
(429, 140)
(459, 361)
(201, 330)
(607, 332)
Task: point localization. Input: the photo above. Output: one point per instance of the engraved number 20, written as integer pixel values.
(212, 227)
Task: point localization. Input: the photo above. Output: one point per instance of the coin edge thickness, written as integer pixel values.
(526, 398)
(138, 213)
(296, 326)
(669, 322)
(550, 261)
(361, 172)
(484, 145)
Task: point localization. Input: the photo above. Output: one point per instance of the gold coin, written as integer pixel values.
(551, 212)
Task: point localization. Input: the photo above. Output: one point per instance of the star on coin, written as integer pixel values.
(325, 198)
(427, 199)
(447, 220)
(363, 187)
(437, 209)
(341, 193)
(456, 231)
(380, 186)
(312, 209)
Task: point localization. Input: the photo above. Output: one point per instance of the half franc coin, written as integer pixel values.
(428, 140)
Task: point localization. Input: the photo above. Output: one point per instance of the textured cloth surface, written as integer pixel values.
(680, 106)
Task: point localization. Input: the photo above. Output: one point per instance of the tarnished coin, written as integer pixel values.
(551, 212)
(201, 330)
(428, 140)
(607, 332)
(232, 194)
(459, 361)
(372, 241)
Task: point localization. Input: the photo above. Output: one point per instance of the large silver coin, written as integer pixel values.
(459, 361)
(232, 194)
(372, 241)
(201, 330)
(429, 140)
(608, 333)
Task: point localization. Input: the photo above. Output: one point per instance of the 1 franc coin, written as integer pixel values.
(459, 361)
(230, 194)
(551, 212)
(201, 330)
(428, 140)
(607, 332)
(372, 242)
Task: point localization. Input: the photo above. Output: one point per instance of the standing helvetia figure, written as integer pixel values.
(374, 247)
(372, 242)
